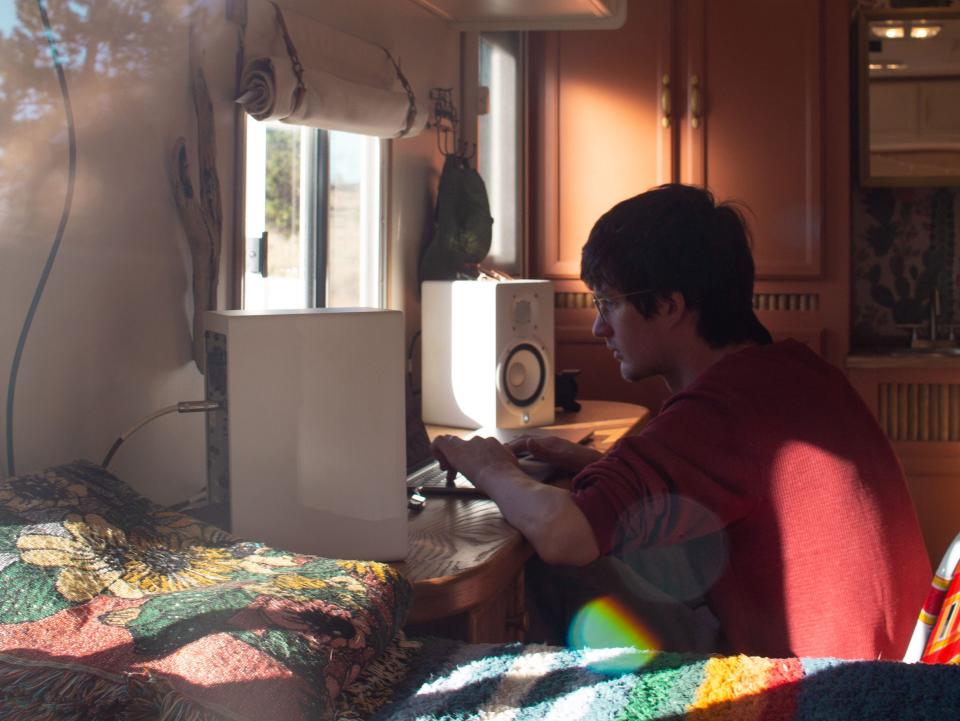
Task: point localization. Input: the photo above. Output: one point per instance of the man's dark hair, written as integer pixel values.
(675, 238)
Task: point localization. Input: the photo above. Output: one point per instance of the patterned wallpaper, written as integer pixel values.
(903, 247)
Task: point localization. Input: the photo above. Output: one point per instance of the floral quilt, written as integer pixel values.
(111, 607)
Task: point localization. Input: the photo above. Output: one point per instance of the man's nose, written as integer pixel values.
(600, 327)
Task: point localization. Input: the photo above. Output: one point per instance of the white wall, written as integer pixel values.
(110, 341)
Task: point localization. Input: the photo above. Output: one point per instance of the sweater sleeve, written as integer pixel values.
(676, 481)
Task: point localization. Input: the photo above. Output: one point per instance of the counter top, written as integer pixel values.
(897, 358)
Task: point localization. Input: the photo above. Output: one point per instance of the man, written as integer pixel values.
(763, 448)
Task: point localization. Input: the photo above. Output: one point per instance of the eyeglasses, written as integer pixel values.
(603, 303)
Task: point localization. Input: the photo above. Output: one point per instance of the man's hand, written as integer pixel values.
(545, 515)
(475, 458)
(560, 453)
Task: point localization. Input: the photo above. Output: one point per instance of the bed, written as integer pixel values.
(114, 608)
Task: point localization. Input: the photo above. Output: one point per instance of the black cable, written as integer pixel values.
(410, 347)
(413, 341)
(64, 216)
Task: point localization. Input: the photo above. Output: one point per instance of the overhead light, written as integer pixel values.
(889, 32)
(924, 31)
(893, 30)
(895, 65)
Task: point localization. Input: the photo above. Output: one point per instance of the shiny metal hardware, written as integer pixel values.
(932, 341)
(665, 100)
(696, 109)
(257, 254)
(416, 501)
(914, 329)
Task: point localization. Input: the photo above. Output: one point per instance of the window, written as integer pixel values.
(312, 218)
(500, 140)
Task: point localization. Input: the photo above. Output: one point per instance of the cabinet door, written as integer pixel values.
(751, 123)
(598, 128)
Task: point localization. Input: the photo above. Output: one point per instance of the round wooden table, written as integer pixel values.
(465, 560)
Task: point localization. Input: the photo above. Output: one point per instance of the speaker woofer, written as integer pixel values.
(523, 375)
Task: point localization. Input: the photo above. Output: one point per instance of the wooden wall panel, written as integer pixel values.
(918, 407)
(936, 494)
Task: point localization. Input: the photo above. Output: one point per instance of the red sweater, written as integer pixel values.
(772, 452)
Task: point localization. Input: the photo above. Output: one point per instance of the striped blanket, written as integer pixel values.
(450, 681)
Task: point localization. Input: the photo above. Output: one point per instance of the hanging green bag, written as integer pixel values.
(462, 224)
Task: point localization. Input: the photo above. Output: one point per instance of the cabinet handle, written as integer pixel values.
(665, 101)
(695, 106)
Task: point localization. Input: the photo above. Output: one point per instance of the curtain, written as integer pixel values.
(302, 72)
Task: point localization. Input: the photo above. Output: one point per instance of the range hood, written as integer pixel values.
(491, 15)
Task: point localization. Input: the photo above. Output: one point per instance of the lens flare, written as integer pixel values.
(606, 623)
(686, 568)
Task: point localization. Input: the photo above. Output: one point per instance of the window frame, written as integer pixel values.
(314, 220)
(519, 266)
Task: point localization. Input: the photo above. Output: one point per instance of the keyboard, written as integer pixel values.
(433, 479)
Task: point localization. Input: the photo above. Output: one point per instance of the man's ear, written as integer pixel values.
(673, 308)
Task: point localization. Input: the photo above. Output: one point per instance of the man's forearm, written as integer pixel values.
(546, 516)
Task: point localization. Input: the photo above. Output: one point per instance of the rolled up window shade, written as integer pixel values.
(301, 72)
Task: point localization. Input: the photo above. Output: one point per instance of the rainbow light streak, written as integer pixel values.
(607, 623)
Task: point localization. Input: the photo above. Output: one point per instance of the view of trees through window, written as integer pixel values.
(282, 201)
(317, 195)
(344, 233)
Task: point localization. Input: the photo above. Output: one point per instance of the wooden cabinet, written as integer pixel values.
(747, 97)
(917, 403)
(596, 127)
(756, 67)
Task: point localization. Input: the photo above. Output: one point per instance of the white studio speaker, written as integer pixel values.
(309, 454)
(487, 353)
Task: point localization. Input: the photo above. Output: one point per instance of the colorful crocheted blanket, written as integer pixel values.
(111, 607)
(445, 680)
